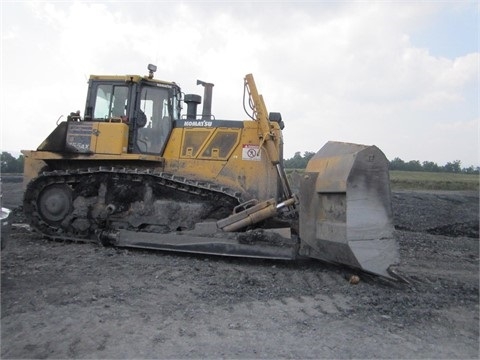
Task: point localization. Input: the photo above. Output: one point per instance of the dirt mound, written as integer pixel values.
(439, 212)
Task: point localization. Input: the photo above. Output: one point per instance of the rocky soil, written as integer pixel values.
(71, 300)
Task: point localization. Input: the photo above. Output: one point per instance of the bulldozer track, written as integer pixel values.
(101, 176)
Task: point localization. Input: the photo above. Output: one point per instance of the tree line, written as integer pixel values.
(10, 164)
(415, 165)
(299, 161)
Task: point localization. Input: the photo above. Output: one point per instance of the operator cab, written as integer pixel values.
(148, 106)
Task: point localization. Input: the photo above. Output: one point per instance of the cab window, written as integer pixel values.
(110, 101)
(155, 106)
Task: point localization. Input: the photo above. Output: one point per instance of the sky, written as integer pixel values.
(401, 75)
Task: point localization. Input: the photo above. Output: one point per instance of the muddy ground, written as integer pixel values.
(69, 300)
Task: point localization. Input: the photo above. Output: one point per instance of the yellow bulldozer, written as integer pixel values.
(136, 172)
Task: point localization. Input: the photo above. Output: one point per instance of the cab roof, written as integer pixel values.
(131, 78)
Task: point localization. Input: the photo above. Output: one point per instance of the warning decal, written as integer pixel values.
(251, 152)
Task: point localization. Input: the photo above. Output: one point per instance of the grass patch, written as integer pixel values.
(420, 180)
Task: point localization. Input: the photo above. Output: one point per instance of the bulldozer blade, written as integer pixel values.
(275, 244)
(345, 208)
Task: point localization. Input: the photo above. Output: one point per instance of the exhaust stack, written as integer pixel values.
(207, 99)
(192, 102)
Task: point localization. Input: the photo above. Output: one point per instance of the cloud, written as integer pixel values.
(346, 71)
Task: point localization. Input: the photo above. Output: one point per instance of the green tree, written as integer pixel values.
(453, 167)
(20, 162)
(11, 165)
(414, 165)
(471, 170)
(430, 166)
(307, 155)
(397, 164)
(8, 162)
(298, 161)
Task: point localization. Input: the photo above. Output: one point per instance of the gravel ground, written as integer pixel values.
(68, 300)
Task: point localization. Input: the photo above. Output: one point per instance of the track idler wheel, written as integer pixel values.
(55, 203)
